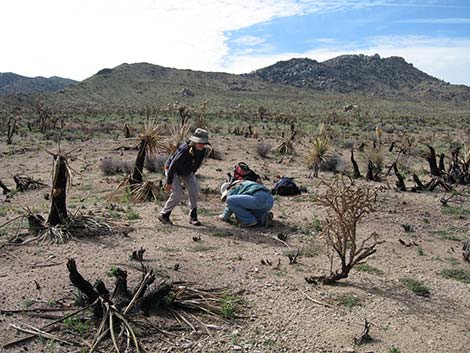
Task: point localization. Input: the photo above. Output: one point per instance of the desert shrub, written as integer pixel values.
(347, 204)
(263, 149)
(332, 164)
(155, 164)
(111, 166)
(417, 287)
(457, 274)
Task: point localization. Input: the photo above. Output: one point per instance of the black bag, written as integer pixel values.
(285, 187)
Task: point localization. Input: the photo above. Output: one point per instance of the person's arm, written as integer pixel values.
(226, 214)
(199, 158)
(173, 165)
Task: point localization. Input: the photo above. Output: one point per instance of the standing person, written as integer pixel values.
(181, 166)
(249, 201)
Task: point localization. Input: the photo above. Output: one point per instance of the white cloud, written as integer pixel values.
(76, 39)
(248, 40)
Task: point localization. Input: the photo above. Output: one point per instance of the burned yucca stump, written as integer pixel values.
(24, 183)
(60, 226)
(119, 311)
(150, 141)
(127, 131)
(466, 250)
(60, 179)
(356, 172)
(5, 189)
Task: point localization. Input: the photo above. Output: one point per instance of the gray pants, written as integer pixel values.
(177, 192)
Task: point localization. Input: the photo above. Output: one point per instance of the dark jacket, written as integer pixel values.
(184, 162)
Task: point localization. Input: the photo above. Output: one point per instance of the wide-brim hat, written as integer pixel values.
(200, 136)
(225, 188)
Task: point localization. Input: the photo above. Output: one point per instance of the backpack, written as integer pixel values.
(242, 172)
(285, 187)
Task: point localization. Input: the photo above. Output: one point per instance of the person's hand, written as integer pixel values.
(168, 188)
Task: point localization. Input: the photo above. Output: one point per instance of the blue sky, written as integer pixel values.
(77, 38)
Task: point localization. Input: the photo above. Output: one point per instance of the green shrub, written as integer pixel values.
(369, 269)
(457, 274)
(416, 287)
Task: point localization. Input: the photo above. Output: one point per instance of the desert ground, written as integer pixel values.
(276, 309)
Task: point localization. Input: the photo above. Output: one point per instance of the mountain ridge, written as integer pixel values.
(11, 83)
(140, 85)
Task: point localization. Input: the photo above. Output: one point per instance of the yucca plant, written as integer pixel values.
(177, 134)
(150, 141)
(317, 153)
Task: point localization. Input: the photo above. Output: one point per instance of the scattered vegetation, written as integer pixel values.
(460, 275)
(417, 287)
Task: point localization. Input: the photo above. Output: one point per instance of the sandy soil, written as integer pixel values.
(277, 314)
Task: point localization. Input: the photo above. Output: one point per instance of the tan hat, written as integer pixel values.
(224, 189)
(200, 136)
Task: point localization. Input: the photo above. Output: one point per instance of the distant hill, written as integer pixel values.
(143, 84)
(360, 73)
(11, 83)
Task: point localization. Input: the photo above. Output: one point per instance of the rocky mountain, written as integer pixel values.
(360, 73)
(11, 83)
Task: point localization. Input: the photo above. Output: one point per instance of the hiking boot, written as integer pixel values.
(194, 222)
(268, 222)
(165, 218)
(249, 225)
(193, 217)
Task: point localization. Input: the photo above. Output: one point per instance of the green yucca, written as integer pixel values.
(317, 153)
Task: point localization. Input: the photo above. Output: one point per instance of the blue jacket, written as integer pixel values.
(184, 161)
(244, 188)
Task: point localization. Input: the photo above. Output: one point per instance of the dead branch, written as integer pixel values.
(364, 337)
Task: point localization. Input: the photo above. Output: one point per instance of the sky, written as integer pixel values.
(77, 38)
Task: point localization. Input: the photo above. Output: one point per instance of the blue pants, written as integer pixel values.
(251, 208)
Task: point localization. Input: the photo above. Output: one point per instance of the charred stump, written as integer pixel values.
(91, 293)
(419, 184)
(356, 172)
(127, 131)
(36, 223)
(466, 250)
(5, 189)
(431, 158)
(372, 172)
(152, 300)
(11, 129)
(442, 167)
(136, 177)
(58, 213)
(24, 183)
(400, 184)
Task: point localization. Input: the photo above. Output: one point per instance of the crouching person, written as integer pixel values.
(249, 201)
